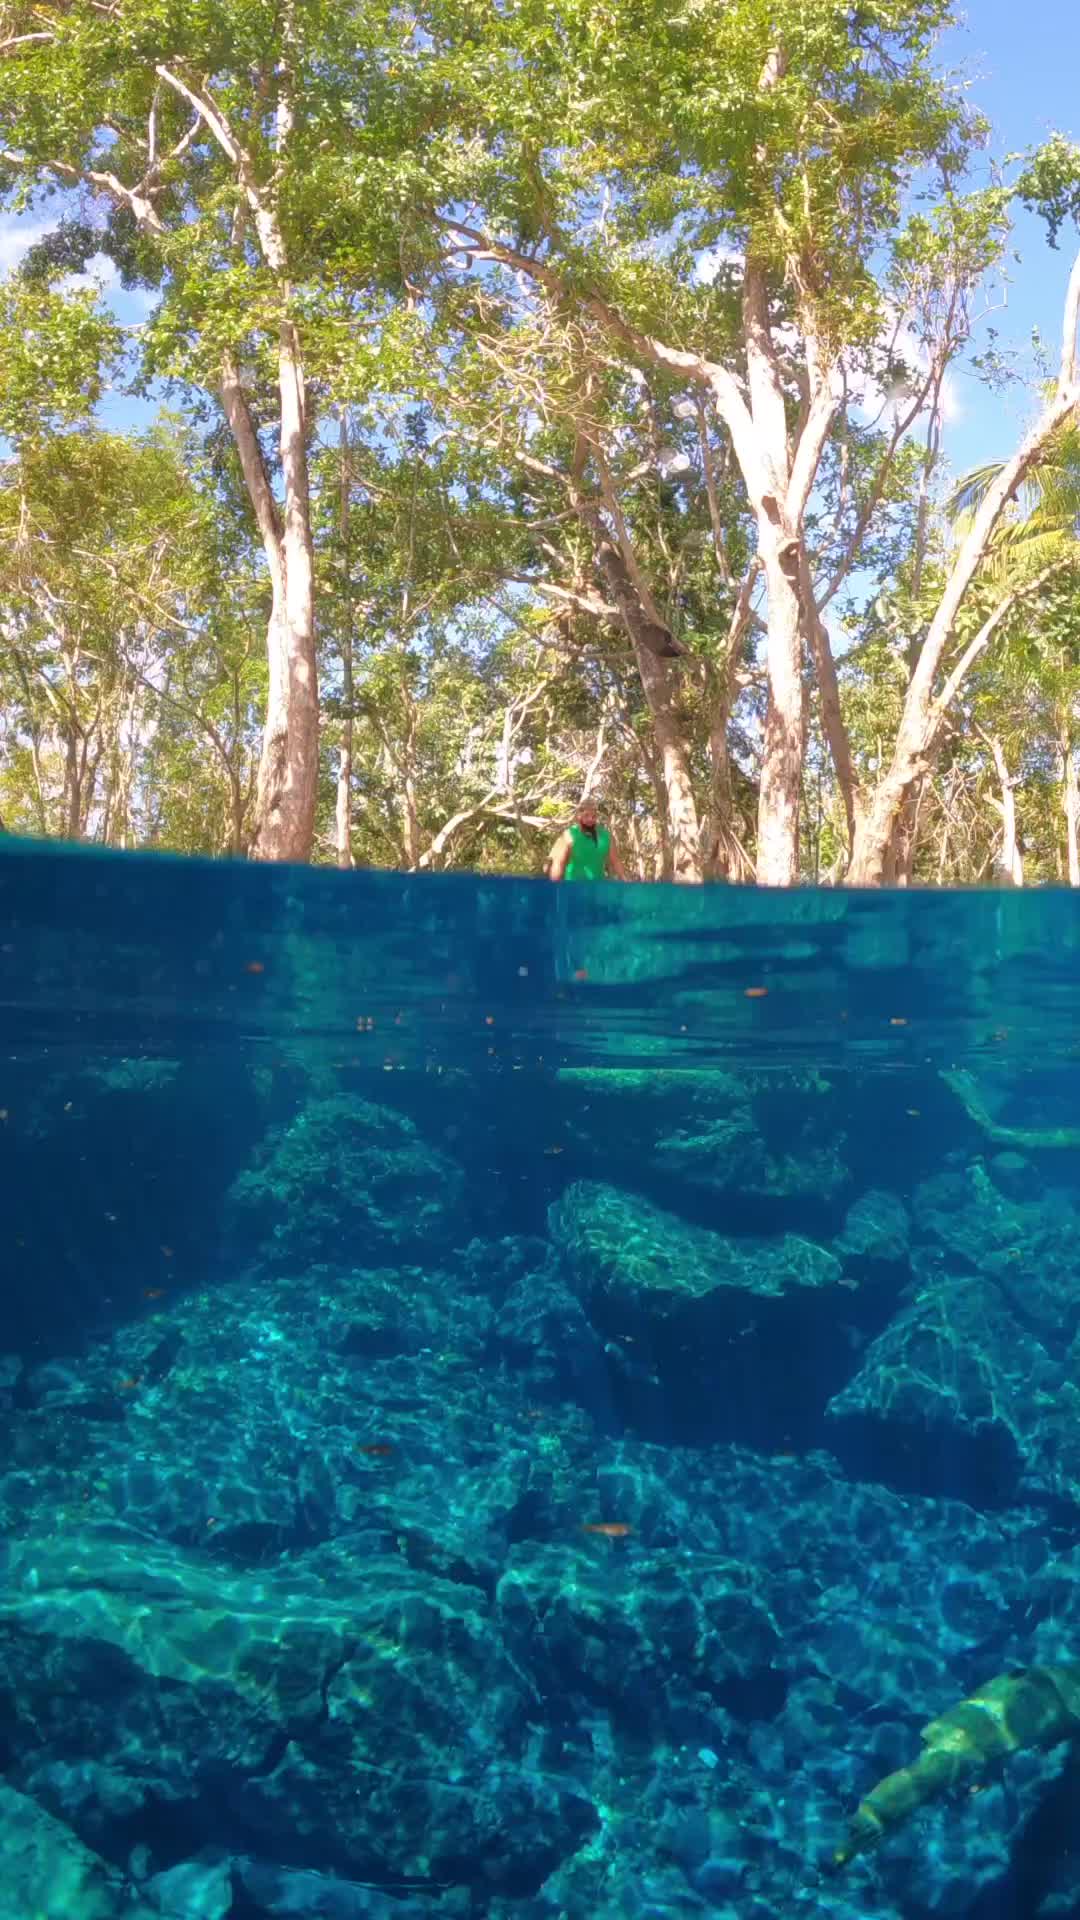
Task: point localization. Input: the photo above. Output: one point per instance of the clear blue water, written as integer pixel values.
(525, 1401)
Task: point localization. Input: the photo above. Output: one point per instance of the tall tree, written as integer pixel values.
(200, 145)
(781, 144)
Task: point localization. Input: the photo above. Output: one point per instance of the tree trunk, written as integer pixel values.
(923, 714)
(679, 804)
(900, 857)
(236, 808)
(782, 749)
(658, 686)
(1071, 803)
(1010, 860)
(832, 718)
(73, 776)
(723, 857)
(289, 764)
(343, 802)
(410, 821)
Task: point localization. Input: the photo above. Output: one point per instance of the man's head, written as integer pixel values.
(587, 816)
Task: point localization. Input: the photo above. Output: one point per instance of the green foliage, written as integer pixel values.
(57, 352)
(1050, 184)
(469, 646)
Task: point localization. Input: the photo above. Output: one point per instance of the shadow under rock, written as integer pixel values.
(983, 1471)
(1048, 1849)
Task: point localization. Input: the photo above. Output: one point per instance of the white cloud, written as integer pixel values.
(711, 259)
(872, 400)
(18, 233)
(99, 272)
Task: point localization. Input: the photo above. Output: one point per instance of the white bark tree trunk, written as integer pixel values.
(1011, 860)
(343, 795)
(1071, 803)
(785, 723)
(289, 764)
(923, 712)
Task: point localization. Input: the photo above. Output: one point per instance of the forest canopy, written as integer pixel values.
(414, 417)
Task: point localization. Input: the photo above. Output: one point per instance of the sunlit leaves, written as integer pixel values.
(57, 351)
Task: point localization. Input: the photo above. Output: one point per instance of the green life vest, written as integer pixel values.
(588, 857)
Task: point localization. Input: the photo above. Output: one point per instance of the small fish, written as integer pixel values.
(379, 1447)
(129, 1386)
(898, 1020)
(755, 993)
(611, 1529)
(254, 966)
(581, 973)
(153, 1293)
(913, 1113)
(168, 1252)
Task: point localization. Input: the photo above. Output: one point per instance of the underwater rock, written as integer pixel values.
(720, 1132)
(315, 1706)
(48, 1872)
(641, 1633)
(342, 1181)
(959, 1396)
(877, 1229)
(1013, 1175)
(645, 1258)
(193, 1890)
(707, 1336)
(273, 1412)
(544, 1332)
(292, 1893)
(1025, 1249)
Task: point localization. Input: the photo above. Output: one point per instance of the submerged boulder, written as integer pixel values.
(313, 1710)
(709, 1336)
(342, 1180)
(639, 1256)
(745, 1134)
(50, 1875)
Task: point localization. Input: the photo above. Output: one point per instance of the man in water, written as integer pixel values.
(586, 851)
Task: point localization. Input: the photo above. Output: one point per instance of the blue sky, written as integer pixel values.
(1024, 61)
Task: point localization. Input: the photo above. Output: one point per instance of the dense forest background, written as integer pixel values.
(547, 397)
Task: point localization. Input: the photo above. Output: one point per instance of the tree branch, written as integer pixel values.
(143, 209)
(256, 478)
(982, 638)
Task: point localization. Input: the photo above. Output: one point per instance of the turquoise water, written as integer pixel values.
(525, 1401)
